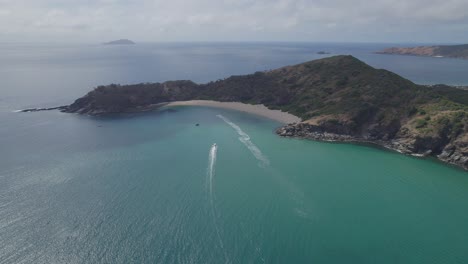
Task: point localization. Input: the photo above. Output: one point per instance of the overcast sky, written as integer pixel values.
(235, 20)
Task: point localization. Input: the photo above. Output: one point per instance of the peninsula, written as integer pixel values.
(449, 51)
(338, 98)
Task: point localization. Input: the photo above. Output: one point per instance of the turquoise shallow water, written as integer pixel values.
(135, 188)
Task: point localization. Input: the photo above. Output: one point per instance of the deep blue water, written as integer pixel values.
(139, 188)
(46, 74)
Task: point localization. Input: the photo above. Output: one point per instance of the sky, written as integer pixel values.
(408, 21)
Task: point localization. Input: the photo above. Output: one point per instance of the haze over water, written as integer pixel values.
(152, 187)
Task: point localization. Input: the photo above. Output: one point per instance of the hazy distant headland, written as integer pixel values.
(339, 98)
(120, 42)
(449, 51)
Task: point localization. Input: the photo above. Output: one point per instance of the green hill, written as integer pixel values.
(339, 98)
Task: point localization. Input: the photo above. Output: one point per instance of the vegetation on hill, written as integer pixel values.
(340, 95)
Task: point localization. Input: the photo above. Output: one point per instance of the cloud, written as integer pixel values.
(183, 20)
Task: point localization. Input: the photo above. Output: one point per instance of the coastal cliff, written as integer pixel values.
(449, 51)
(339, 98)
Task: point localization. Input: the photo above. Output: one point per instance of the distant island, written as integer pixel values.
(449, 51)
(338, 98)
(120, 42)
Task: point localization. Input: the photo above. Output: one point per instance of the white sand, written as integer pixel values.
(260, 110)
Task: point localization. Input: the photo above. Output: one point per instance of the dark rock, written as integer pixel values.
(429, 146)
(43, 109)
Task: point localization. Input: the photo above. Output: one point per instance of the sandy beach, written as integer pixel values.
(259, 110)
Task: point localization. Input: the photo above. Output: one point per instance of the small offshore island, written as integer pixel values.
(120, 42)
(448, 51)
(338, 98)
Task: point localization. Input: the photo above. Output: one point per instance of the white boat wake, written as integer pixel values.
(297, 194)
(210, 175)
(245, 139)
(211, 167)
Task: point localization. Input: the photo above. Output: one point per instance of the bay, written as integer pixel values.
(136, 188)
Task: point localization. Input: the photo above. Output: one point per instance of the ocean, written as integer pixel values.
(153, 188)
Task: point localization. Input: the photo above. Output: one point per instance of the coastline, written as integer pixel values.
(455, 159)
(378, 144)
(291, 128)
(260, 110)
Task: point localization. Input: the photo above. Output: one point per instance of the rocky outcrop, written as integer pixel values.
(61, 108)
(455, 153)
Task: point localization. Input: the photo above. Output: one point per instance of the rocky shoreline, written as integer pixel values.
(61, 108)
(401, 145)
(450, 154)
(337, 98)
(259, 110)
(66, 109)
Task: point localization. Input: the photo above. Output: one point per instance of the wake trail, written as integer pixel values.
(210, 174)
(245, 139)
(211, 168)
(296, 194)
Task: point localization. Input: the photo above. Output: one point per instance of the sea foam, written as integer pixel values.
(245, 139)
(210, 175)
